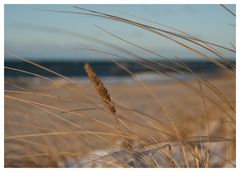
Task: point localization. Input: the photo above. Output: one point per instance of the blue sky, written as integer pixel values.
(49, 36)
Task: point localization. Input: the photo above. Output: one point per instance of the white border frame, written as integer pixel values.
(110, 2)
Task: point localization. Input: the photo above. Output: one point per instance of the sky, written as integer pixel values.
(41, 35)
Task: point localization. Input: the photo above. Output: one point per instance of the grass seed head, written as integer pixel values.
(101, 89)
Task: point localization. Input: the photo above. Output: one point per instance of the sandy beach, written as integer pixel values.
(146, 109)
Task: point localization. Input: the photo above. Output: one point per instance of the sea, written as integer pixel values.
(117, 71)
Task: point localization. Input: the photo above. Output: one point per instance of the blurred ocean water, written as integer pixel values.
(109, 72)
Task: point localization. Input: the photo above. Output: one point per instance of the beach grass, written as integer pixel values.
(182, 123)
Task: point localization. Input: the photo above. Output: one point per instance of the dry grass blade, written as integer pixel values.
(45, 69)
(101, 89)
(227, 9)
(160, 33)
(60, 123)
(103, 93)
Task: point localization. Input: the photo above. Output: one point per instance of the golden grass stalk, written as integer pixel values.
(101, 89)
(105, 96)
(196, 158)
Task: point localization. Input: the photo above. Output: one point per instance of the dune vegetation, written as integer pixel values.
(60, 122)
